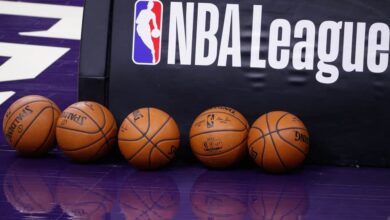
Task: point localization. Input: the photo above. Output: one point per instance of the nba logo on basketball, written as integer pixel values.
(147, 32)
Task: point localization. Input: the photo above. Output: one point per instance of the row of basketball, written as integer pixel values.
(148, 138)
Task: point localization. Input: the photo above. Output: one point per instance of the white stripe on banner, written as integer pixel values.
(68, 27)
(4, 96)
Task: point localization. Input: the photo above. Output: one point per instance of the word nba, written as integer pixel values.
(147, 32)
(199, 35)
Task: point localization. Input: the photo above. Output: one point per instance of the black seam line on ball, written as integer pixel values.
(291, 145)
(161, 141)
(77, 130)
(100, 149)
(278, 132)
(216, 131)
(32, 122)
(14, 111)
(262, 136)
(88, 145)
(278, 121)
(154, 145)
(206, 113)
(49, 132)
(139, 130)
(94, 156)
(104, 124)
(273, 143)
(97, 125)
(224, 152)
(148, 140)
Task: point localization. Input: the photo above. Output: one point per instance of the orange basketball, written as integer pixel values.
(29, 125)
(278, 141)
(148, 138)
(86, 131)
(218, 137)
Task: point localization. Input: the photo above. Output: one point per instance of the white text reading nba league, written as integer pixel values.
(303, 45)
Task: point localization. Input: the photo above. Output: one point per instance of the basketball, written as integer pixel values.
(148, 138)
(29, 125)
(155, 33)
(86, 131)
(278, 141)
(218, 137)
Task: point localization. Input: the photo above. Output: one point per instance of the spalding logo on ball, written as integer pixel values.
(29, 125)
(86, 131)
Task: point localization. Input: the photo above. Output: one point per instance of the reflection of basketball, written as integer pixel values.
(82, 195)
(218, 137)
(155, 33)
(147, 196)
(219, 196)
(29, 125)
(276, 197)
(86, 131)
(26, 189)
(278, 141)
(148, 138)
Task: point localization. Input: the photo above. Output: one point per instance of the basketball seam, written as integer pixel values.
(158, 148)
(51, 128)
(245, 124)
(155, 145)
(149, 140)
(93, 120)
(216, 131)
(250, 145)
(276, 131)
(77, 130)
(283, 139)
(28, 126)
(14, 111)
(100, 149)
(292, 145)
(273, 143)
(167, 139)
(97, 125)
(104, 124)
(278, 121)
(85, 146)
(139, 130)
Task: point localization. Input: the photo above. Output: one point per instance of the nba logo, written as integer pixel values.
(147, 32)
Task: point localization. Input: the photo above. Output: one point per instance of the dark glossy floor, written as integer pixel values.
(55, 188)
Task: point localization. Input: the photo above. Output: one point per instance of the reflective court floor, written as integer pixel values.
(55, 188)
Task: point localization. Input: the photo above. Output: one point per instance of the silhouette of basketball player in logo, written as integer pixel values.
(144, 30)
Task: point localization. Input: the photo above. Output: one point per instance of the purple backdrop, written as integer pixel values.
(59, 81)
